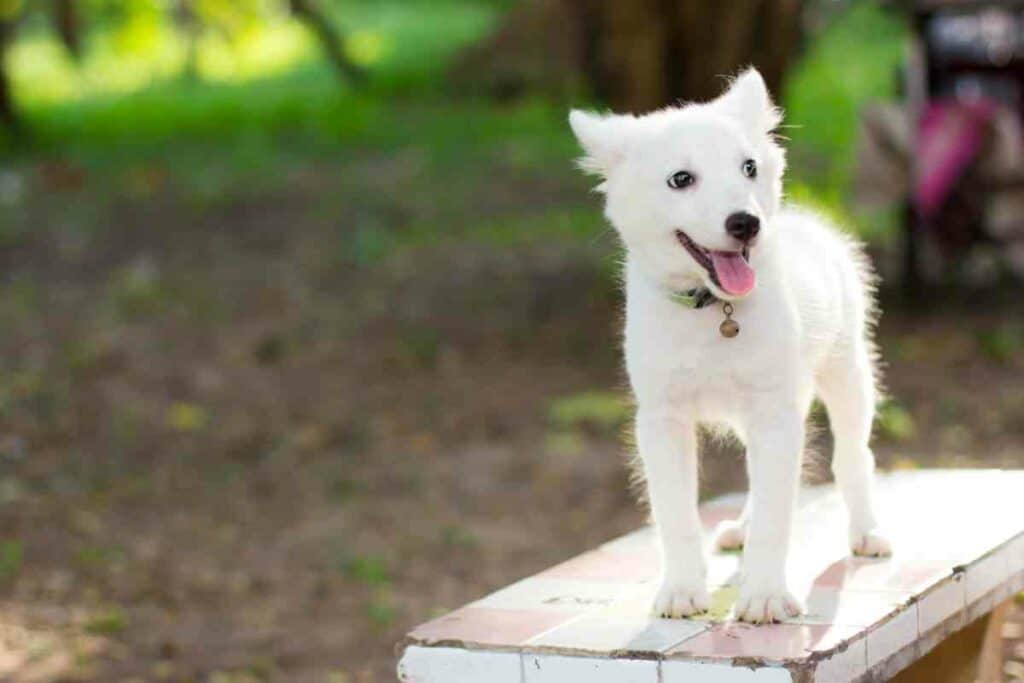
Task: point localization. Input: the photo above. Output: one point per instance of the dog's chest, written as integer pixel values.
(683, 358)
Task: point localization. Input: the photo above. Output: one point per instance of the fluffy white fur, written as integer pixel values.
(805, 332)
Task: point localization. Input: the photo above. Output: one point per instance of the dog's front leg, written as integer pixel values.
(668, 448)
(774, 449)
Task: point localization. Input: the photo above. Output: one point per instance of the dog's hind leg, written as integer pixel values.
(847, 387)
(731, 534)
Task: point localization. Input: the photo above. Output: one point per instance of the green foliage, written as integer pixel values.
(1003, 343)
(602, 409)
(381, 610)
(134, 45)
(264, 101)
(853, 62)
(369, 569)
(11, 553)
(109, 622)
(894, 422)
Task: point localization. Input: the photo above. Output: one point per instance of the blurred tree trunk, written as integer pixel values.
(188, 23)
(66, 21)
(637, 55)
(9, 117)
(330, 39)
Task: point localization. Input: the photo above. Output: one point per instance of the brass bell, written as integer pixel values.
(729, 328)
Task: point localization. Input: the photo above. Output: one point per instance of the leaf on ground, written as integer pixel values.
(187, 417)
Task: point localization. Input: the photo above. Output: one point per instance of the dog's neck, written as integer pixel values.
(696, 297)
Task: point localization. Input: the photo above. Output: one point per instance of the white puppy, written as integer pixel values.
(694, 192)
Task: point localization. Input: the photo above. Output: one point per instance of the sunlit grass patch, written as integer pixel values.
(11, 554)
(894, 422)
(187, 417)
(368, 569)
(109, 622)
(600, 409)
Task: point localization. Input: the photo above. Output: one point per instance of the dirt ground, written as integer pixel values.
(228, 452)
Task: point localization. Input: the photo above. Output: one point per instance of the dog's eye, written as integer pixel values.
(681, 179)
(749, 168)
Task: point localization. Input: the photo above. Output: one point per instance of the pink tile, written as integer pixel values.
(489, 626)
(861, 573)
(773, 641)
(602, 565)
(852, 608)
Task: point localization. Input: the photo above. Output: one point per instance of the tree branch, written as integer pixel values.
(330, 39)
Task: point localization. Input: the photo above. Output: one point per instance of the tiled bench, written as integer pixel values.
(959, 540)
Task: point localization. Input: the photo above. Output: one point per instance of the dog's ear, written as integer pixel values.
(747, 99)
(605, 138)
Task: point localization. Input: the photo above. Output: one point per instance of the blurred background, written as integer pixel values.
(310, 326)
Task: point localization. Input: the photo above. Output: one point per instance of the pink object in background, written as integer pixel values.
(949, 137)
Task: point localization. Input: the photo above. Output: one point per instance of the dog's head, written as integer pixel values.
(691, 189)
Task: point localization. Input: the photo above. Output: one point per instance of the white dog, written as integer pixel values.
(738, 312)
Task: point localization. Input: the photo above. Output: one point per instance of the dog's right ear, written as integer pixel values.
(605, 138)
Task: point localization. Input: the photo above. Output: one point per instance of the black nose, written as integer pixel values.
(743, 226)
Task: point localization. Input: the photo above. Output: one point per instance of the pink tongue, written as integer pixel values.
(734, 273)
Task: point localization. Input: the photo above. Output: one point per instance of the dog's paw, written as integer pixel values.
(730, 534)
(870, 544)
(678, 599)
(767, 608)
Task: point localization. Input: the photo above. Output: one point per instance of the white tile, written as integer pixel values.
(453, 665)
(844, 665)
(563, 595)
(730, 500)
(944, 601)
(706, 672)
(639, 540)
(892, 636)
(562, 669)
(608, 634)
(1016, 554)
(987, 574)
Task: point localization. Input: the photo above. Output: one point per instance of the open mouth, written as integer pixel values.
(729, 270)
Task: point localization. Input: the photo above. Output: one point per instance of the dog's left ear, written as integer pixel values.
(747, 99)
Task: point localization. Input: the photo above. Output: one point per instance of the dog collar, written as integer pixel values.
(700, 297)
